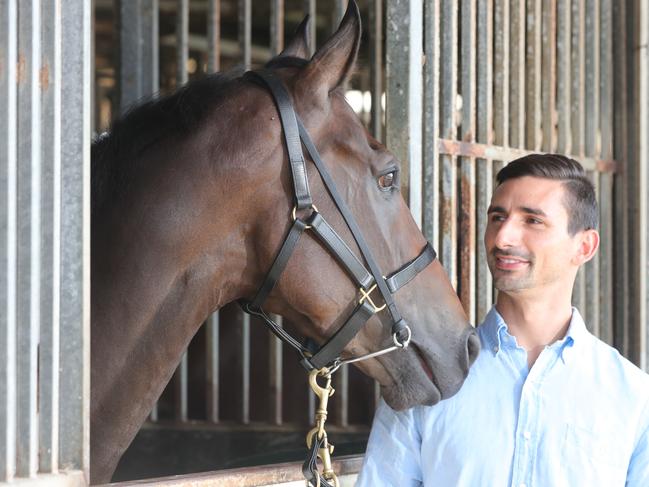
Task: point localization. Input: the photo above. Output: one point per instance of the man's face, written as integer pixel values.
(527, 241)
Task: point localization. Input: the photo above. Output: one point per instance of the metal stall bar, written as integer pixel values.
(213, 322)
(29, 238)
(501, 74)
(431, 166)
(606, 180)
(533, 75)
(591, 148)
(404, 38)
(48, 384)
(577, 121)
(517, 75)
(376, 67)
(8, 226)
(643, 180)
(620, 184)
(448, 129)
(311, 11)
(275, 357)
(214, 36)
(181, 375)
(245, 42)
(139, 55)
(338, 13)
(467, 235)
(74, 379)
(564, 139)
(549, 79)
(491, 122)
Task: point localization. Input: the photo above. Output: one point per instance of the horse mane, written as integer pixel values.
(114, 154)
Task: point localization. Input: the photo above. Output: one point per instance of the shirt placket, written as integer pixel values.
(527, 428)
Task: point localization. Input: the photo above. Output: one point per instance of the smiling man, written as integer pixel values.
(546, 403)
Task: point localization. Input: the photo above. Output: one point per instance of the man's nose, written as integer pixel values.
(507, 235)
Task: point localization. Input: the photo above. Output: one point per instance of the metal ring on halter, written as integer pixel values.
(294, 214)
(406, 342)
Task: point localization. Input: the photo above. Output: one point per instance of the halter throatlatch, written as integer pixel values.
(326, 360)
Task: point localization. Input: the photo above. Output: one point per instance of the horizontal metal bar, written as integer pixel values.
(484, 151)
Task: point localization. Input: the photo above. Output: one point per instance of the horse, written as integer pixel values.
(191, 201)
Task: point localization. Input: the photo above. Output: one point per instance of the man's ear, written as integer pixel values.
(587, 246)
(334, 62)
(298, 46)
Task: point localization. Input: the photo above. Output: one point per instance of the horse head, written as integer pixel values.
(315, 293)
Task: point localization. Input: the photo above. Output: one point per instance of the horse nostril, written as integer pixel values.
(472, 347)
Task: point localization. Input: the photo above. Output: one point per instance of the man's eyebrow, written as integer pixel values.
(522, 209)
(532, 211)
(495, 209)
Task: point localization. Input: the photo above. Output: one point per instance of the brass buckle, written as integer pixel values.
(366, 296)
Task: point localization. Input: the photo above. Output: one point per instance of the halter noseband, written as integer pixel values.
(328, 355)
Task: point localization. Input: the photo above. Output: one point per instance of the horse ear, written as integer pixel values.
(299, 44)
(333, 63)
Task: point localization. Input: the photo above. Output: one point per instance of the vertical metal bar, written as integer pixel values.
(376, 67)
(620, 183)
(591, 107)
(310, 10)
(577, 56)
(517, 74)
(212, 363)
(48, 384)
(213, 322)
(181, 379)
(467, 235)
(214, 36)
(182, 41)
(341, 386)
(338, 13)
(74, 380)
(485, 133)
(29, 238)
(448, 128)
(643, 182)
(245, 370)
(564, 139)
(549, 78)
(533, 75)
(275, 376)
(430, 196)
(578, 114)
(139, 64)
(498, 80)
(277, 27)
(606, 181)
(8, 231)
(404, 51)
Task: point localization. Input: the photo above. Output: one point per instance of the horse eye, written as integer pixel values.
(387, 180)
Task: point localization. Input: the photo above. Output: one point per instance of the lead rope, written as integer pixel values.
(316, 440)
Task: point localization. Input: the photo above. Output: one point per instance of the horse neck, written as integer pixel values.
(158, 270)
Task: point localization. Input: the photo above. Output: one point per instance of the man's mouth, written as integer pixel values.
(510, 263)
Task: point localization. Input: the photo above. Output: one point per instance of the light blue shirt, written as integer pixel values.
(578, 417)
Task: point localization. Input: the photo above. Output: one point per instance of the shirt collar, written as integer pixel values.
(494, 329)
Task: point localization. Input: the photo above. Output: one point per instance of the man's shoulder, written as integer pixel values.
(623, 370)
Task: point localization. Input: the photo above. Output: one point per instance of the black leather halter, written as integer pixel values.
(328, 355)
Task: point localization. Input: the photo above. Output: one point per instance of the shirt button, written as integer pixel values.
(527, 436)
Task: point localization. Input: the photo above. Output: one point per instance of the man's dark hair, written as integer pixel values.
(579, 200)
